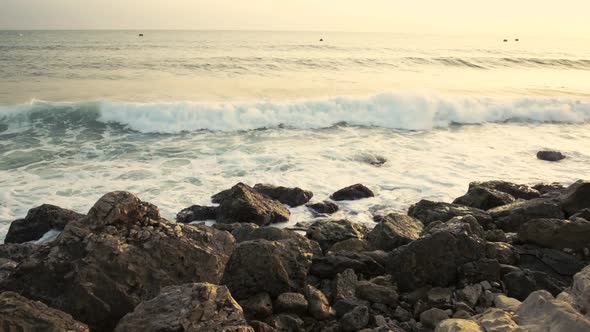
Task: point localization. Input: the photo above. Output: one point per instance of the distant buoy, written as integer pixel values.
(517, 39)
(321, 39)
(141, 34)
(505, 40)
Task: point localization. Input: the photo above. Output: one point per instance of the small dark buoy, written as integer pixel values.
(321, 39)
(141, 34)
(517, 39)
(505, 40)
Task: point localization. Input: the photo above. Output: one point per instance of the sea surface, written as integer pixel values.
(176, 116)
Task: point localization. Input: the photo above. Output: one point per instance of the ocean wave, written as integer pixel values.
(395, 111)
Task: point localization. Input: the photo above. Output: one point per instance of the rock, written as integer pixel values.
(394, 230)
(496, 235)
(576, 197)
(242, 234)
(470, 294)
(519, 284)
(344, 285)
(259, 305)
(583, 214)
(39, 221)
(345, 306)
(232, 227)
(122, 253)
(431, 317)
(329, 232)
(434, 259)
(518, 191)
(510, 217)
(458, 325)
(481, 270)
(291, 302)
(21, 314)
(461, 314)
(189, 307)
(318, 307)
(290, 196)
(268, 266)
(325, 207)
(429, 211)
(246, 205)
(286, 322)
(556, 233)
(550, 155)
(506, 303)
(334, 263)
(503, 252)
(17, 252)
(356, 319)
(484, 198)
(377, 293)
(439, 296)
(197, 213)
(549, 189)
(580, 292)
(351, 193)
(402, 315)
(541, 312)
(352, 245)
(496, 320)
(259, 326)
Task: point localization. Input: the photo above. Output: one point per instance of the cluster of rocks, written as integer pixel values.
(502, 257)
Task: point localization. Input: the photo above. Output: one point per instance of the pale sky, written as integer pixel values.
(523, 17)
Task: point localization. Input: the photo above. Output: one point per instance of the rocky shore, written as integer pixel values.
(502, 257)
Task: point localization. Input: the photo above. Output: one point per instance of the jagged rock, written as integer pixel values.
(197, 213)
(344, 306)
(351, 193)
(484, 198)
(325, 207)
(541, 312)
(579, 294)
(394, 230)
(286, 322)
(232, 227)
(376, 292)
(518, 191)
(429, 211)
(510, 217)
(244, 204)
(496, 235)
(519, 284)
(353, 245)
(576, 197)
(496, 320)
(121, 254)
(290, 196)
(21, 314)
(431, 317)
(259, 305)
(439, 296)
(291, 302)
(503, 252)
(344, 285)
(189, 307)
(550, 155)
(549, 189)
(402, 315)
(334, 263)
(470, 294)
(434, 259)
(556, 233)
(583, 214)
(504, 302)
(319, 306)
(356, 319)
(39, 221)
(243, 234)
(329, 232)
(17, 252)
(481, 270)
(458, 325)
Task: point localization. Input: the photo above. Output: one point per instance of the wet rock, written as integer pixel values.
(431, 317)
(519, 284)
(541, 312)
(549, 189)
(232, 227)
(556, 233)
(503, 252)
(506, 303)
(334, 263)
(356, 319)
(344, 285)
(458, 325)
(484, 198)
(318, 307)
(576, 197)
(518, 191)
(351, 193)
(243, 234)
(550, 155)
(244, 204)
(352, 245)
(394, 230)
(291, 302)
(329, 232)
(258, 306)
(120, 254)
(189, 307)
(290, 196)
(325, 207)
(429, 211)
(510, 217)
(197, 213)
(21, 314)
(39, 221)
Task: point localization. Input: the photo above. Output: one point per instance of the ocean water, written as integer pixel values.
(176, 116)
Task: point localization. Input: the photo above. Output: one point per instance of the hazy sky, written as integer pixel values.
(524, 17)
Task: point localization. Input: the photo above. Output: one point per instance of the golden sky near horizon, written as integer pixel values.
(524, 17)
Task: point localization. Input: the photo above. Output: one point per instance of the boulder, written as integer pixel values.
(17, 252)
(496, 320)
(21, 314)
(579, 293)
(484, 198)
(325, 207)
(344, 285)
(377, 292)
(330, 265)
(291, 303)
(510, 217)
(329, 232)
(188, 307)
(319, 306)
(458, 325)
(582, 214)
(503, 252)
(549, 189)
(355, 320)
(519, 284)
(550, 155)
(435, 258)
(576, 197)
(353, 245)
(439, 296)
(120, 254)
(506, 303)
(431, 317)
(518, 191)
(290, 196)
(558, 265)
(257, 306)
(556, 233)
(428, 211)
(246, 205)
(351, 193)
(285, 322)
(39, 221)
(197, 213)
(470, 294)
(394, 230)
(541, 312)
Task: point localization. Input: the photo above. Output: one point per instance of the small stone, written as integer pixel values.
(462, 314)
(430, 318)
(291, 302)
(439, 295)
(504, 302)
(486, 285)
(486, 299)
(356, 319)
(402, 315)
(318, 307)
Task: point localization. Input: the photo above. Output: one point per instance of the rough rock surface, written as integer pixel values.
(351, 193)
(325, 207)
(431, 317)
(576, 197)
(458, 325)
(121, 254)
(291, 302)
(429, 211)
(197, 213)
(329, 232)
(550, 155)
(21, 314)
(39, 221)
(356, 319)
(510, 217)
(190, 307)
(290, 196)
(319, 306)
(518, 191)
(541, 312)
(503, 252)
(257, 306)
(579, 293)
(354, 245)
(484, 198)
(330, 265)
(394, 230)
(556, 233)
(244, 204)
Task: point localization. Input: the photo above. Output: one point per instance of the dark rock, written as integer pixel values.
(583, 214)
(431, 317)
(503, 252)
(344, 285)
(556, 233)
(480, 270)
(356, 319)
(232, 227)
(259, 326)
(17, 252)
(439, 296)
(345, 306)
(484, 198)
(518, 191)
(291, 302)
(351, 193)
(197, 213)
(394, 230)
(329, 232)
(318, 307)
(122, 253)
(378, 290)
(21, 314)
(353, 245)
(496, 235)
(243, 234)
(560, 266)
(402, 315)
(332, 264)
(434, 259)
(286, 322)
(189, 307)
(290, 196)
(325, 207)
(429, 211)
(470, 294)
(510, 217)
(549, 189)
(550, 155)
(576, 197)
(39, 221)
(258, 306)
(520, 284)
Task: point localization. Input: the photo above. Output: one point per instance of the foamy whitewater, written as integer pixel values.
(178, 116)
